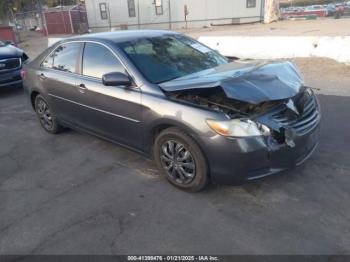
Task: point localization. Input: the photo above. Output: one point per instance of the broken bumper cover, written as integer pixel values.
(238, 160)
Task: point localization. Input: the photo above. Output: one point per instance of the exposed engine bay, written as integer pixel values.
(271, 95)
(215, 99)
(284, 117)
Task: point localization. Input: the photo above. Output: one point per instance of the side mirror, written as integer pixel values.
(116, 79)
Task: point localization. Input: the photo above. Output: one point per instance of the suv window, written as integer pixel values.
(64, 58)
(98, 60)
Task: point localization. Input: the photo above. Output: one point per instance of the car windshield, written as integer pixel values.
(164, 58)
(2, 43)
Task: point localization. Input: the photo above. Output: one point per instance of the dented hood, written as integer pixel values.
(248, 82)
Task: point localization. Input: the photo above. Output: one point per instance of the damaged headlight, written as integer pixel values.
(239, 128)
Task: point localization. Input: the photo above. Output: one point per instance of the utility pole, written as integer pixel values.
(186, 13)
(14, 20)
(109, 18)
(63, 21)
(43, 24)
(169, 10)
(138, 15)
(262, 11)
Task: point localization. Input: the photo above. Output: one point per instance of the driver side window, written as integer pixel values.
(98, 60)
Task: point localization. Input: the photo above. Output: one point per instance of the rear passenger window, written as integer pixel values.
(98, 60)
(64, 58)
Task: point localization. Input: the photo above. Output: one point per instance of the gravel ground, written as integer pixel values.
(319, 27)
(331, 77)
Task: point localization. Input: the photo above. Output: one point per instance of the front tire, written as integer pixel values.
(46, 117)
(181, 160)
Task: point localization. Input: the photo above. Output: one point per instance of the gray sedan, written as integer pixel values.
(202, 117)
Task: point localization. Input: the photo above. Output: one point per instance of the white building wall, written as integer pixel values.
(201, 13)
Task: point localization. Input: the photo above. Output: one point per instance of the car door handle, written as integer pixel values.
(82, 88)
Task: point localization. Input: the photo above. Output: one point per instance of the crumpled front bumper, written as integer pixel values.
(238, 160)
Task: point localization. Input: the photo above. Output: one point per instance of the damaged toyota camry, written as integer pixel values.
(200, 116)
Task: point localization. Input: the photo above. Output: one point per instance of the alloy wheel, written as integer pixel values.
(45, 115)
(178, 162)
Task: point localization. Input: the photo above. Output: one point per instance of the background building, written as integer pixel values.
(170, 14)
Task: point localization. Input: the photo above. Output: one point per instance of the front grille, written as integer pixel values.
(10, 64)
(9, 77)
(307, 119)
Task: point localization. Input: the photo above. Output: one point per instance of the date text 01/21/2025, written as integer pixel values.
(173, 258)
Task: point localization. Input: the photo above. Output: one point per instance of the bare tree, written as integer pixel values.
(6, 9)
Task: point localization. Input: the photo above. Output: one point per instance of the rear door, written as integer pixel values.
(111, 111)
(58, 75)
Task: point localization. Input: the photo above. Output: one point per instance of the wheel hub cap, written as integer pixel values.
(44, 115)
(178, 162)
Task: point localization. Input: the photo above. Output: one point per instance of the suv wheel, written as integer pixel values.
(47, 119)
(181, 160)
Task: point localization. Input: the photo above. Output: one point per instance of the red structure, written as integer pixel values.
(66, 20)
(319, 13)
(6, 33)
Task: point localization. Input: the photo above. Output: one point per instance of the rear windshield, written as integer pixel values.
(164, 58)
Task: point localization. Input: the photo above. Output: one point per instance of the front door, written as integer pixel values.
(111, 111)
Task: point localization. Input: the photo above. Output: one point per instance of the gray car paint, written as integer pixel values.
(132, 116)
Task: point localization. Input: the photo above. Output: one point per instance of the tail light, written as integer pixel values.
(23, 74)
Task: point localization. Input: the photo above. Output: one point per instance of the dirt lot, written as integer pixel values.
(76, 194)
(34, 43)
(319, 27)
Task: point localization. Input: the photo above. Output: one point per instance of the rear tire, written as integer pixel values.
(46, 117)
(181, 160)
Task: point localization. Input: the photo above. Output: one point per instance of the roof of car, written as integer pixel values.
(123, 36)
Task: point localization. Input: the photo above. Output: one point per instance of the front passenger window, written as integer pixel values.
(98, 60)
